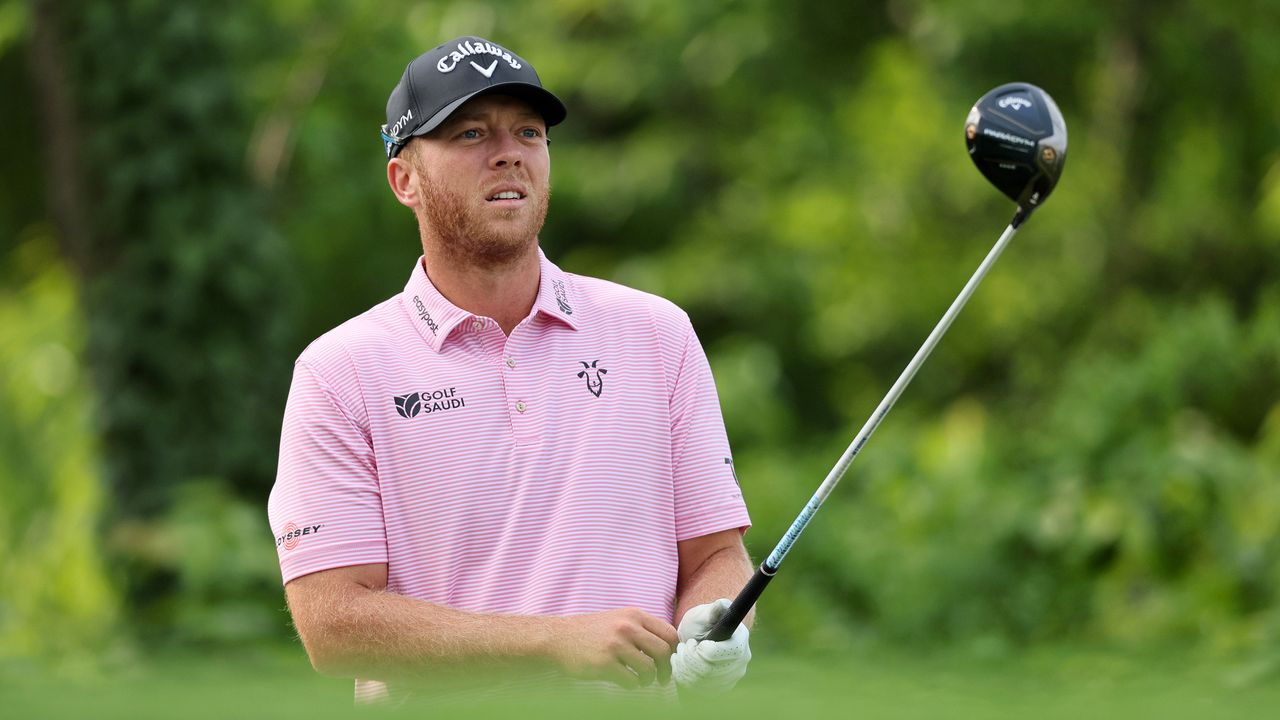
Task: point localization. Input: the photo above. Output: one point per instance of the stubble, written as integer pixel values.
(477, 236)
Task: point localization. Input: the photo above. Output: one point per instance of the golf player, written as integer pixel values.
(505, 465)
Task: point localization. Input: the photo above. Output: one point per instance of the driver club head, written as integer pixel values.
(1018, 139)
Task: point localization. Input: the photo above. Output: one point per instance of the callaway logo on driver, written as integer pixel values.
(1016, 102)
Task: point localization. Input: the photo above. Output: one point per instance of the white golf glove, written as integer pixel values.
(707, 666)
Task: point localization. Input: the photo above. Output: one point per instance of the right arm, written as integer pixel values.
(352, 627)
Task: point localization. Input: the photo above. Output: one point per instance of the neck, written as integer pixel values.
(504, 292)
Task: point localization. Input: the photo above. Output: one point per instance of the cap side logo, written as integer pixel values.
(487, 72)
(394, 132)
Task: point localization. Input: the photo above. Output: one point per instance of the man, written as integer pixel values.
(505, 464)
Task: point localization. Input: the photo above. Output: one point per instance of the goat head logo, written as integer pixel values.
(595, 383)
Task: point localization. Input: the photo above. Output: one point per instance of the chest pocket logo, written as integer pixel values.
(593, 374)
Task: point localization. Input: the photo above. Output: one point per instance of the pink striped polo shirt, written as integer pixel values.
(549, 472)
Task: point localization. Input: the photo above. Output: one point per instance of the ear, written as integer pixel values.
(582, 373)
(403, 180)
(602, 371)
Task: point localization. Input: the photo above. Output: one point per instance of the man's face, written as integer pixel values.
(484, 179)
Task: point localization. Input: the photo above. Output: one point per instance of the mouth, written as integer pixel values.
(507, 196)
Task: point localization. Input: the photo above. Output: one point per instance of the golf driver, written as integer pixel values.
(1018, 140)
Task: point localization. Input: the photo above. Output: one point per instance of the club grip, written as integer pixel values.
(723, 629)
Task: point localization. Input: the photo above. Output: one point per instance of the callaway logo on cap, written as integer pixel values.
(439, 81)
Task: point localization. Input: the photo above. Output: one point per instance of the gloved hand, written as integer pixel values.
(708, 666)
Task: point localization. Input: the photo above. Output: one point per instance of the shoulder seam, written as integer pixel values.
(364, 397)
(337, 402)
(684, 347)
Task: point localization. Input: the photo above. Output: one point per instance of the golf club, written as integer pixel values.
(1018, 139)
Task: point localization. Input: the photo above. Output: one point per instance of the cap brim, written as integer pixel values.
(549, 106)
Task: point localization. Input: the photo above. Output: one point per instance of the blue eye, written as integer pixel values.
(531, 133)
(471, 134)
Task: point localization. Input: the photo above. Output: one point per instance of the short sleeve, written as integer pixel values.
(326, 507)
(707, 496)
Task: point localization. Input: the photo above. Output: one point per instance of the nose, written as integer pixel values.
(508, 153)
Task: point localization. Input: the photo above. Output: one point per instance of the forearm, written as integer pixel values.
(375, 634)
(721, 575)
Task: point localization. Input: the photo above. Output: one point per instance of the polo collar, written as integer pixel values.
(435, 318)
(556, 294)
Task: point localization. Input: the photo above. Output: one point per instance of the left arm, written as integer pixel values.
(711, 567)
(713, 564)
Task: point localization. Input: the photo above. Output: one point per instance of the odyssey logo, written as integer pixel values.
(411, 405)
(293, 535)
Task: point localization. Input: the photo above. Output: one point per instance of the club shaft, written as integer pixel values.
(742, 604)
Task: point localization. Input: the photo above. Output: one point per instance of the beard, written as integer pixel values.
(478, 236)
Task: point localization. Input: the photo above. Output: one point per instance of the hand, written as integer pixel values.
(709, 666)
(629, 647)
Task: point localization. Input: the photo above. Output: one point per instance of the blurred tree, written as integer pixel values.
(56, 598)
(185, 280)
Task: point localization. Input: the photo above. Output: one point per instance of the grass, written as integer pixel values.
(1044, 683)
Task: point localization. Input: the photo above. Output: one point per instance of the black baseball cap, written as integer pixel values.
(440, 80)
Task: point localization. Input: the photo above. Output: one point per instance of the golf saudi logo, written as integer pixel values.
(413, 404)
(595, 383)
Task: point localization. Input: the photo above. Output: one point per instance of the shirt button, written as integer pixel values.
(520, 406)
(477, 325)
(511, 362)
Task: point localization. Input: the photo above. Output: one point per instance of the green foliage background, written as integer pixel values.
(1091, 455)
